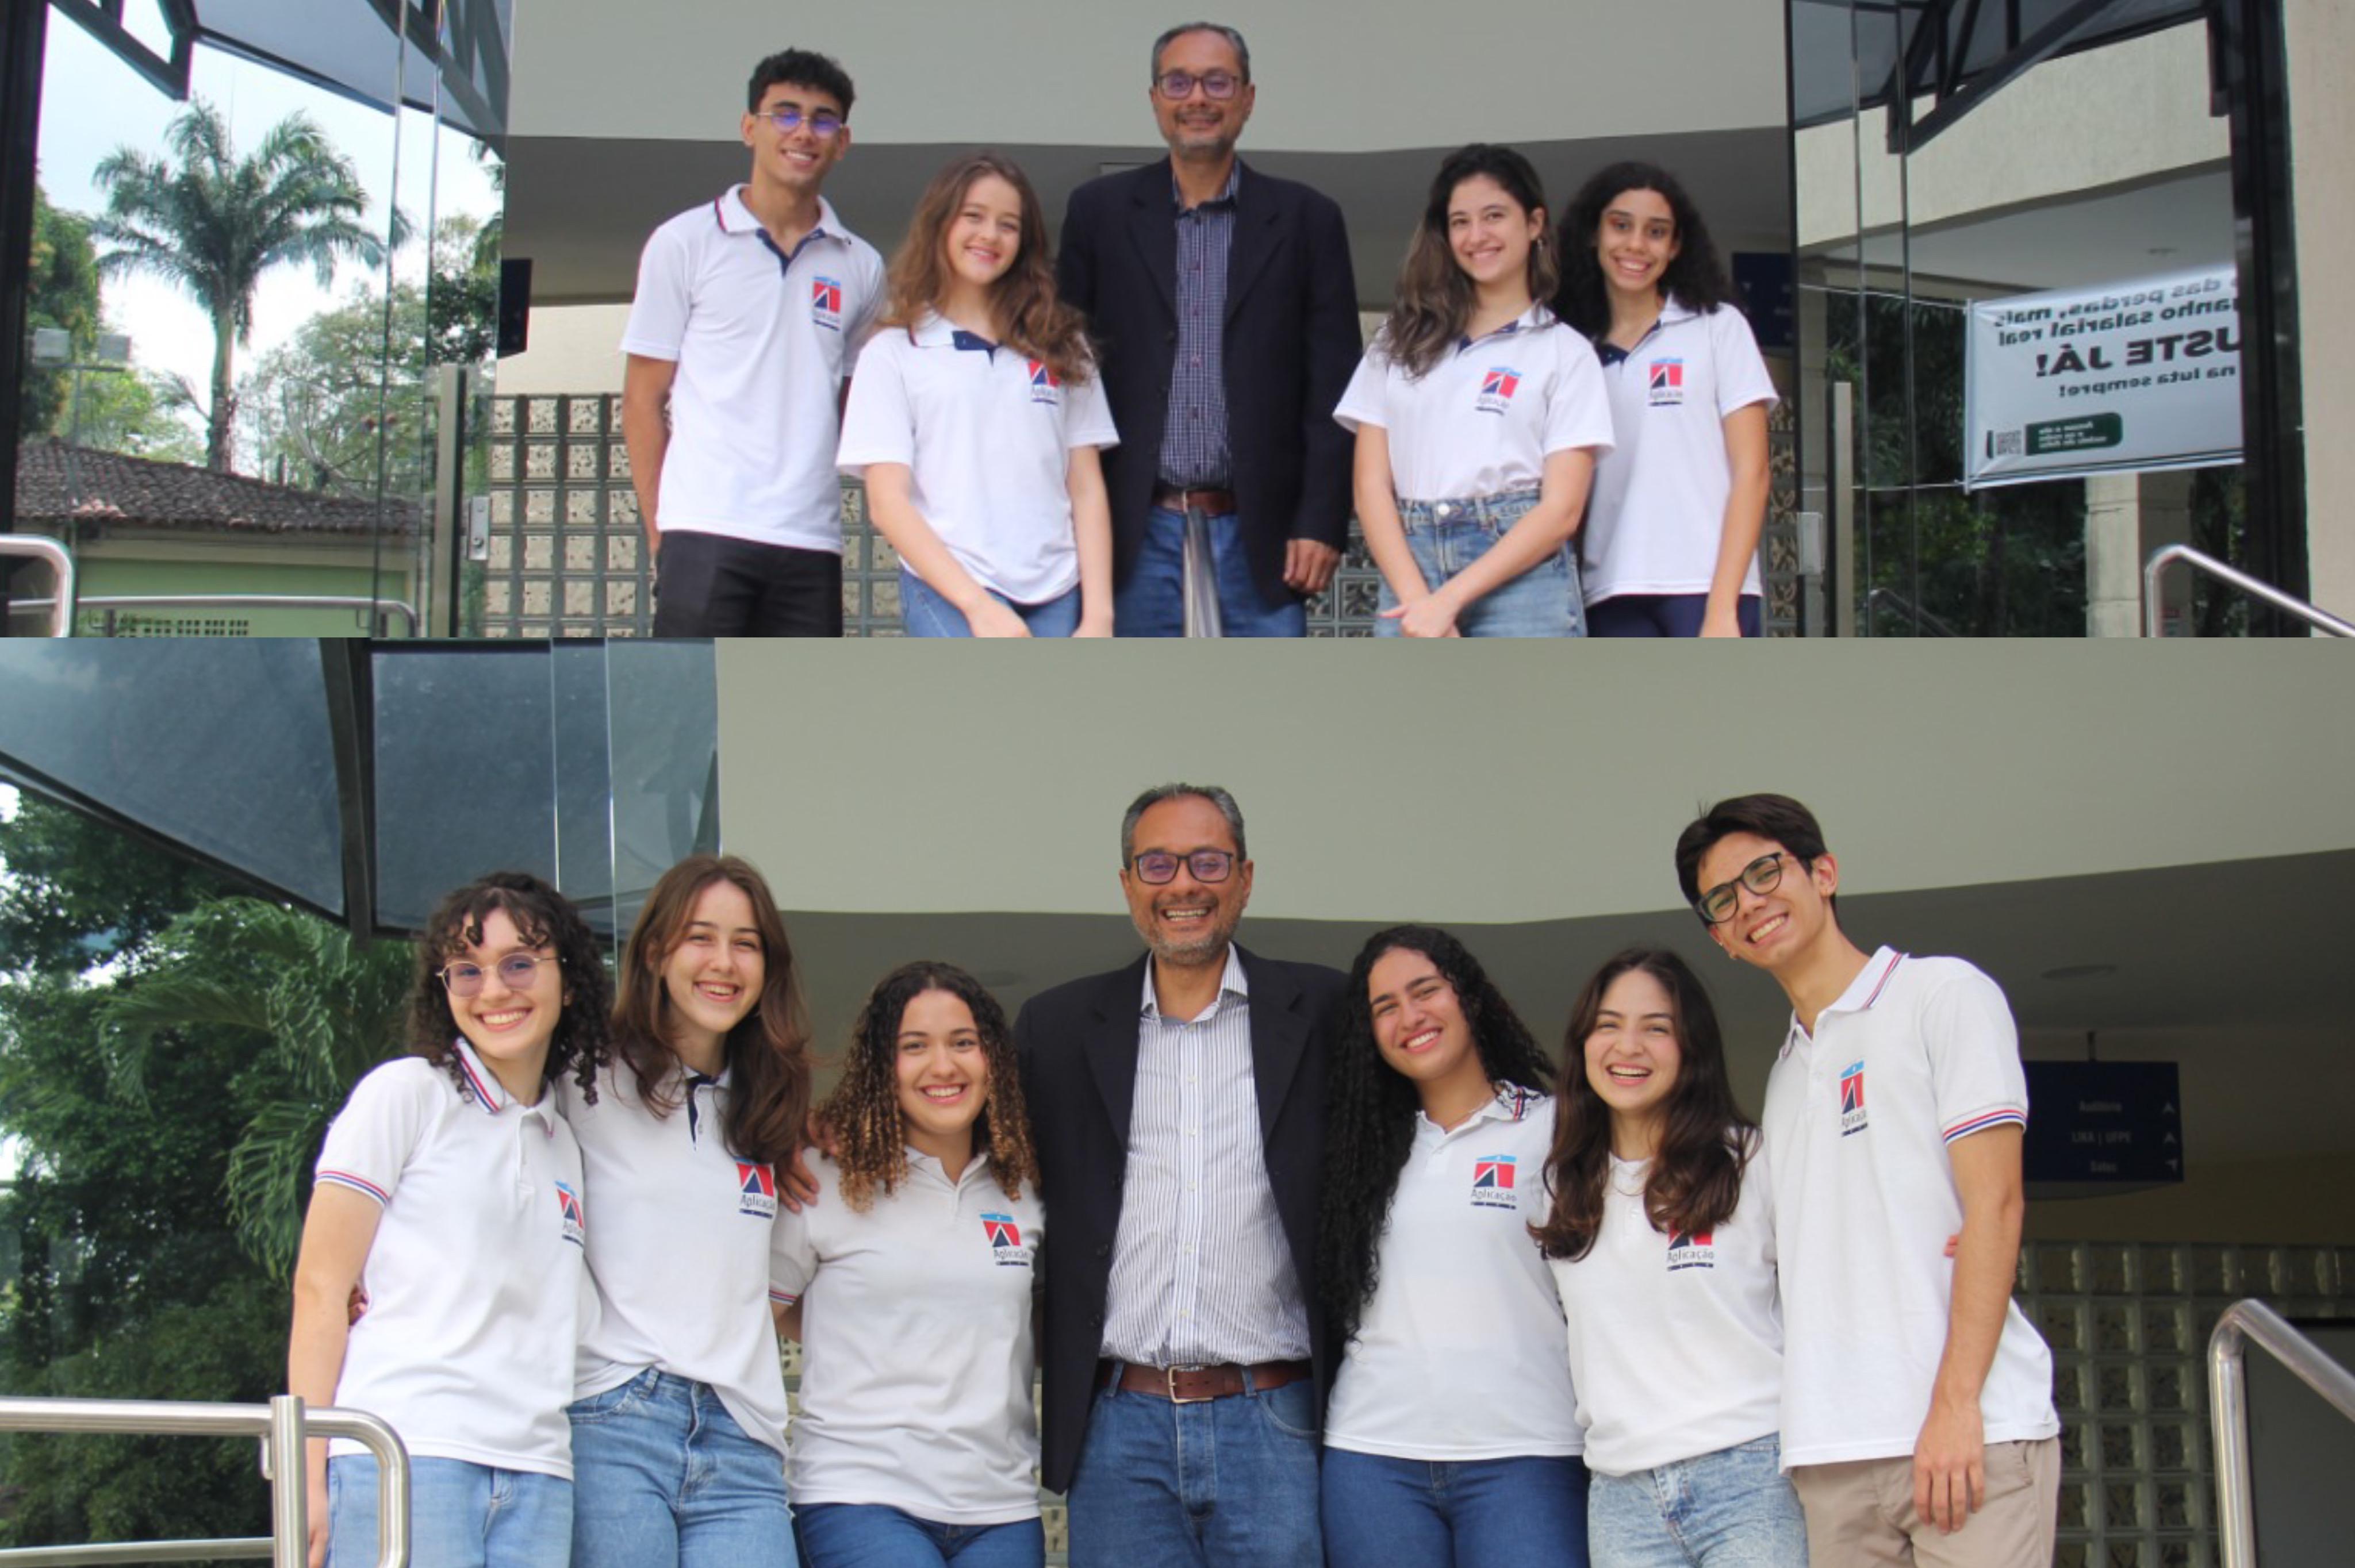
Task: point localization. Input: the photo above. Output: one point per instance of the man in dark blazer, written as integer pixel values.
(1225, 312)
(1178, 1106)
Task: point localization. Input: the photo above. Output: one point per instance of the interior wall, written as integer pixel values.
(2321, 42)
(2307, 1202)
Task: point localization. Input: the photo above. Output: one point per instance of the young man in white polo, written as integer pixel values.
(1918, 1423)
(749, 315)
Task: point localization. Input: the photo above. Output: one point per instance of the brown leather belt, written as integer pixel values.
(1192, 1385)
(1213, 503)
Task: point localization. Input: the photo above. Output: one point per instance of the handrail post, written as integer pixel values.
(2228, 1420)
(290, 1484)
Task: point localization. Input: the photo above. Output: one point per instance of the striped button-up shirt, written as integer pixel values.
(1194, 438)
(1200, 1269)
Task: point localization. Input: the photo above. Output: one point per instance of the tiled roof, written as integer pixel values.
(138, 492)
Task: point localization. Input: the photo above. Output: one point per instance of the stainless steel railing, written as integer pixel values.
(283, 1426)
(360, 603)
(41, 547)
(2228, 1410)
(2156, 567)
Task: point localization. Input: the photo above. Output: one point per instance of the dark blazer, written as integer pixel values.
(1078, 1048)
(1292, 342)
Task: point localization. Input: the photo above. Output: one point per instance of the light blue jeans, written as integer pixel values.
(667, 1477)
(1225, 1483)
(1381, 1512)
(925, 612)
(460, 1515)
(870, 1535)
(1151, 602)
(1732, 1509)
(1446, 536)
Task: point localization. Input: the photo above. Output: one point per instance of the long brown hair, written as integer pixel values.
(1705, 1144)
(1434, 298)
(871, 1135)
(1030, 314)
(767, 1054)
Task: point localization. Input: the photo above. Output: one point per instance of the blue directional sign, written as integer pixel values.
(2102, 1128)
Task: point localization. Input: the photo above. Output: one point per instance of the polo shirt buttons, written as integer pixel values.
(1445, 509)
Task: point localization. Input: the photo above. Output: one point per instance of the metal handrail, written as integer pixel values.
(41, 547)
(2228, 1410)
(2160, 559)
(407, 613)
(282, 1425)
(1910, 610)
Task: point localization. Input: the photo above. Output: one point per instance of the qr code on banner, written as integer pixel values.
(2008, 443)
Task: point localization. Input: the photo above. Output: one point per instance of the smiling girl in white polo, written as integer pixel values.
(1671, 544)
(975, 419)
(449, 1208)
(1478, 419)
(678, 1435)
(1662, 1238)
(912, 1277)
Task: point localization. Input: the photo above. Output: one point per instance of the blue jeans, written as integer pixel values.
(1151, 601)
(1381, 1512)
(1227, 1482)
(1733, 1509)
(1446, 536)
(923, 612)
(667, 1477)
(1665, 615)
(870, 1535)
(460, 1515)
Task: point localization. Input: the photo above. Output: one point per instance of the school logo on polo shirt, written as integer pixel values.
(1492, 1183)
(1692, 1249)
(1006, 1241)
(1667, 383)
(567, 1205)
(756, 1187)
(826, 302)
(1045, 384)
(1497, 390)
(1851, 1093)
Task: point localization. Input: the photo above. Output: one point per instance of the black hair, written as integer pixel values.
(801, 68)
(544, 918)
(1776, 818)
(1696, 277)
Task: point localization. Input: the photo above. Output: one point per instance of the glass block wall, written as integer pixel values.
(567, 558)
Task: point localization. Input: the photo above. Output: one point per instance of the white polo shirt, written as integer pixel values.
(762, 340)
(1483, 419)
(917, 1354)
(1916, 1054)
(1659, 497)
(682, 1250)
(987, 434)
(476, 1280)
(1676, 1341)
(1459, 1354)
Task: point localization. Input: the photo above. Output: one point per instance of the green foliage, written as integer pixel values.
(136, 413)
(62, 292)
(159, 1036)
(213, 224)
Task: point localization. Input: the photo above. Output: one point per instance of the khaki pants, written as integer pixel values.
(1860, 1513)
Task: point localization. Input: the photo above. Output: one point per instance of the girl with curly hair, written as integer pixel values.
(910, 1284)
(1479, 418)
(1452, 1435)
(1662, 1241)
(449, 1212)
(1671, 543)
(977, 422)
(679, 1375)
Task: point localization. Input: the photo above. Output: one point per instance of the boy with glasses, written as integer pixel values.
(1918, 1423)
(750, 313)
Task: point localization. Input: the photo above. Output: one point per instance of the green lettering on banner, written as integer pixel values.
(2076, 435)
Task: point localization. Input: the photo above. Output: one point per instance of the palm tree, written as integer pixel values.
(213, 224)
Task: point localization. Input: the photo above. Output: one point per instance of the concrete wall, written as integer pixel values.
(2257, 1202)
(2321, 42)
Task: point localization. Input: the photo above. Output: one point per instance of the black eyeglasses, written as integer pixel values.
(1761, 876)
(516, 973)
(1157, 866)
(1178, 85)
(822, 125)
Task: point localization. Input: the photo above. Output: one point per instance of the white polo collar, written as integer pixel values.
(1861, 994)
(485, 1088)
(1531, 320)
(735, 217)
(933, 330)
(1511, 1103)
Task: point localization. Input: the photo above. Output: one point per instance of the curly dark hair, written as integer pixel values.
(767, 1053)
(1705, 1144)
(1369, 1123)
(543, 917)
(1696, 277)
(863, 1112)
